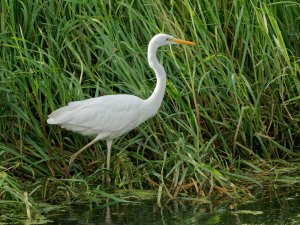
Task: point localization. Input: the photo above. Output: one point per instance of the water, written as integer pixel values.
(285, 210)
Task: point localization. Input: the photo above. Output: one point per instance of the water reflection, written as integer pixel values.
(282, 211)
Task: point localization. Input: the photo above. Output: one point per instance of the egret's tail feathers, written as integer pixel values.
(51, 121)
(60, 115)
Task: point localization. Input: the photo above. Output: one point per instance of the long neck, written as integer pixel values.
(154, 101)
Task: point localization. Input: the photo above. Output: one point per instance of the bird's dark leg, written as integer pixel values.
(73, 157)
(108, 143)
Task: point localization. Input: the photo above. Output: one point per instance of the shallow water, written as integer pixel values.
(280, 211)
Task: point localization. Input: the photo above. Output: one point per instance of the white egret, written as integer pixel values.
(108, 117)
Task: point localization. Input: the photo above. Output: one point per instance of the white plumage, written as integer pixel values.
(108, 117)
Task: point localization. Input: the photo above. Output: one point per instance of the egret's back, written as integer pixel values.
(109, 116)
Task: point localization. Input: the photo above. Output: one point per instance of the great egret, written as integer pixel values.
(108, 117)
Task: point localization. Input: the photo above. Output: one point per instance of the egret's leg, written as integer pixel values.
(73, 157)
(108, 143)
(108, 214)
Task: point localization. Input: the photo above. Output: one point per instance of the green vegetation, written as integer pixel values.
(230, 120)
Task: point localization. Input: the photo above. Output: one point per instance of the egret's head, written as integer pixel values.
(161, 40)
(165, 39)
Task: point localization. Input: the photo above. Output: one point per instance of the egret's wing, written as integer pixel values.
(111, 114)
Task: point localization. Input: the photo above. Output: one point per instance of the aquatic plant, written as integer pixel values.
(229, 120)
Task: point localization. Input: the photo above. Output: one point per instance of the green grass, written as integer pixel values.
(231, 112)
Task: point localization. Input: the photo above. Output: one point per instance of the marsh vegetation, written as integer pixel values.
(229, 122)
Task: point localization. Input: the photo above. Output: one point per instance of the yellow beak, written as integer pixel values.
(179, 41)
